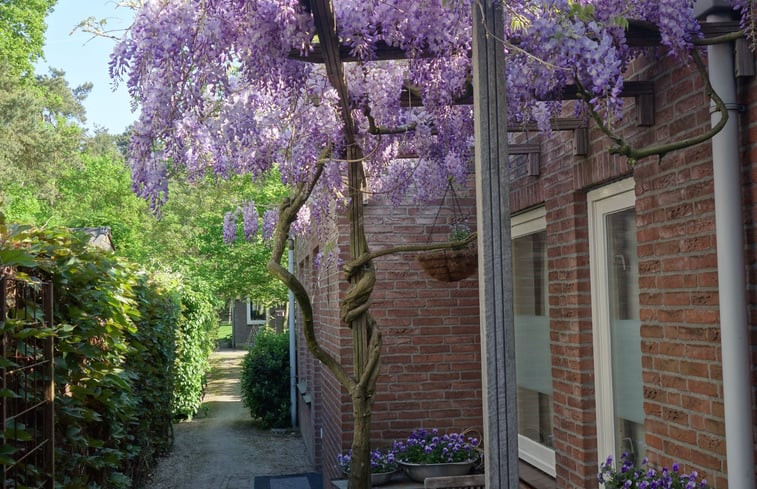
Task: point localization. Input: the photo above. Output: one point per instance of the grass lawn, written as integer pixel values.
(224, 332)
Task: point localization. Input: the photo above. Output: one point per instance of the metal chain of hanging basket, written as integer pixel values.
(451, 265)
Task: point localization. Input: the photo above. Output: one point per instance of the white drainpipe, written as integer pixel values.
(292, 352)
(734, 327)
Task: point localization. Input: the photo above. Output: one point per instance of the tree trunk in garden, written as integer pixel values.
(361, 384)
(360, 469)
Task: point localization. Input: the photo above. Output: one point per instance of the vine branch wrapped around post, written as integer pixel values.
(623, 148)
(287, 214)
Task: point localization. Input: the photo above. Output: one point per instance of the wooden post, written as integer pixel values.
(494, 246)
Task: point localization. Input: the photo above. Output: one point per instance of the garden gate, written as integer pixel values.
(27, 391)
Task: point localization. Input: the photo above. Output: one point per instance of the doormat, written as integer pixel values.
(310, 480)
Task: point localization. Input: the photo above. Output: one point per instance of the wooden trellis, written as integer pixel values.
(27, 391)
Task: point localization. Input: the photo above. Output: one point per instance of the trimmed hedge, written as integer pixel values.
(122, 338)
(265, 379)
(195, 340)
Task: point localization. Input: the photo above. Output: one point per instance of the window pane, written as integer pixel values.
(532, 353)
(256, 312)
(625, 333)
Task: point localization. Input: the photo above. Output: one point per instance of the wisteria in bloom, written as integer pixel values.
(249, 220)
(221, 92)
(269, 223)
(230, 227)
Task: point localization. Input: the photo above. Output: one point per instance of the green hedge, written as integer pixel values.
(124, 339)
(195, 340)
(265, 379)
(152, 362)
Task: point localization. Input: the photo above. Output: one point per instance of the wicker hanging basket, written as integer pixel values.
(449, 265)
(452, 264)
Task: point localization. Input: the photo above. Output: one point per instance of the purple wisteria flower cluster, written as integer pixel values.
(382, 461)
(221, 91)
(431, 447)
(250, 223)
(631, 476)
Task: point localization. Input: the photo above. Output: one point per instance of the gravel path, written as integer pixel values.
(220, 448)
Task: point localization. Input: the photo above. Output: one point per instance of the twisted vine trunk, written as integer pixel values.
(366, 338)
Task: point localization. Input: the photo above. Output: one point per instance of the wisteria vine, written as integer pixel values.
(221, 93)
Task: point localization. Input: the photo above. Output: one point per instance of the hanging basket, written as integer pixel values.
(449, 265)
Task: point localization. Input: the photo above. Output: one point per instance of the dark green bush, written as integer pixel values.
(151, 361)
(265, 379)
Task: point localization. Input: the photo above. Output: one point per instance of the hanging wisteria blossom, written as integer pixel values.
(221, 92)
(249, 220)
(230, 227)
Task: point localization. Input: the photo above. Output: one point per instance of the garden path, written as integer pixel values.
(220, 448)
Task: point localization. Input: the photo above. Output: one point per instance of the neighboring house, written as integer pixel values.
(619, 295)
(100, 237)
(247, 317)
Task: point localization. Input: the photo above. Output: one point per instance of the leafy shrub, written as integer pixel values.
(151, 362)
(94, 316)
(265, 379)
(195, 340)
(114, 330)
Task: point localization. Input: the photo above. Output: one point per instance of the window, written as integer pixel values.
(615, 321)
(256, 313)
(533, 364)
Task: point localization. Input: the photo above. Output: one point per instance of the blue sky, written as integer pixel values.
(85, 59)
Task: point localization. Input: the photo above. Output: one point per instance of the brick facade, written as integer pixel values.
(431, 368)
(431, 353)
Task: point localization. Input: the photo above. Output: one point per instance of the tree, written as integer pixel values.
(241, 87)
(40, 134)
(189, 237)
(22, 29)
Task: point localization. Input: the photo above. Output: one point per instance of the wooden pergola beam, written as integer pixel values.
(384, 52)
(639, 34)
(631, 89)
(325, 25)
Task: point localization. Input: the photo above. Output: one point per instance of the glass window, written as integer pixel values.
(625, 332)
(533, 364)
(256, 313)
(615, 319)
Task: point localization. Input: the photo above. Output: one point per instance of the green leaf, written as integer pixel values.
(16, 258)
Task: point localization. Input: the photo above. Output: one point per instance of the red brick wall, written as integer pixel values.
(748, 121)
(431, 358)
(678, 287)
(678, 281)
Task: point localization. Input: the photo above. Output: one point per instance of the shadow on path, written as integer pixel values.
(220, 448)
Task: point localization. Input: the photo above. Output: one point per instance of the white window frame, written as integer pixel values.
(534, 453)
(609, 199)
(251, 321)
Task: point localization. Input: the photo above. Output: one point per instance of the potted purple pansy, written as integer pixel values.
(630, 476)
(383, 465)
(431, 454)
